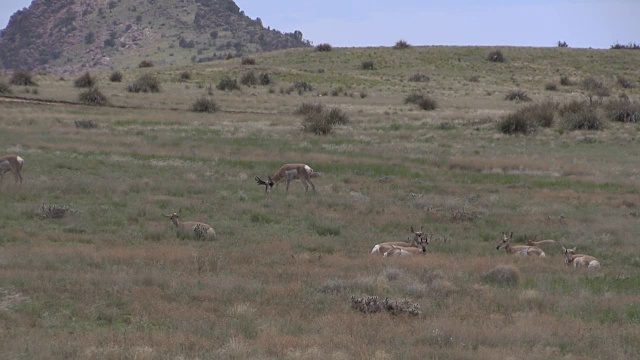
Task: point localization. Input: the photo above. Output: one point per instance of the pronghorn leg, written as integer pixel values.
(288, 182)
(312, 185)
(304, 182)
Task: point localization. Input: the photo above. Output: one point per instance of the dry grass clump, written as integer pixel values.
(205, 104)
(146, 64)
(565, 81)
(623, 110)
(503, 275)
(527, 119)
(228, 84)
(371, 305)
(54, 211)
(22, 78)
(625, 83)
(248, 61)
(424, 102)
(324, 47)
(580, 115)
(419, 77)
(85, 124)
(93, 96)
(146, 83)
(116, 76)
(85, 81)
(185, 75)
(496, 56)
(551, 86)
(249, 79)
(517, 95)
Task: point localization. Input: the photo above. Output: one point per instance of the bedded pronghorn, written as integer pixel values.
(410, 251)
(289, 172)
(524, 250)
(14, 164)
(192, 228)
(382, 248)
(579, 260)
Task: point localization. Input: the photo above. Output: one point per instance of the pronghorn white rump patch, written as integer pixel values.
(308, 169)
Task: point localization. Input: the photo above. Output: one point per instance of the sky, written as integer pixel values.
(581, 23)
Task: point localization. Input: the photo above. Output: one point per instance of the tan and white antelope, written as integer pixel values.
(382, 248)
(533, 242)
(13, 164)
(524, 250)
(289, 172)
(579, 260)
(192, 228)
(400, 251)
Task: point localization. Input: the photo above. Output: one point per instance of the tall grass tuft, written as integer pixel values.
(320, 121)
(517, 95)
(228, 84)
(146, 64)
(249, 79)
(205, 104)
(116, 76)
(367, 65)
(85, 81)
(93, 96)
(22, 78)
(5, 88)
(623, 110)
(146, 83)
(527, 119)
(503, 275)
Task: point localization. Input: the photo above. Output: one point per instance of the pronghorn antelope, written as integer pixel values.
(533, 242)
(289, 172)
(523, 250)
(11, 163)
(382, 248)
(192, 228)
(409, 251)
(579, 260)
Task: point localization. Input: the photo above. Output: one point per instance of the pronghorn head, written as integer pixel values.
(267, 184)
(568, 255)
(417, 234)
(425, 239)
(174, 217)
(505, 240)
(530, 242)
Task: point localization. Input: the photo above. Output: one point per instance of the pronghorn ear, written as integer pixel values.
(179, 211)
(511, 236)
(420, 228)
(564, 249)
(574, 249)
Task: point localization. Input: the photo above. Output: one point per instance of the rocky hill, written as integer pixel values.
(72, 35)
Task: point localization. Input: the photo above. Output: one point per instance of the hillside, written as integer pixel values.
(70, 35)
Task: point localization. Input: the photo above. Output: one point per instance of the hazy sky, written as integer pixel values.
(581, 23)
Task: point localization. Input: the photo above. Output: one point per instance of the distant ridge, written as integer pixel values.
(72, 35)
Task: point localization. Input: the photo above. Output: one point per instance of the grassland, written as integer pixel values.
(110, 280)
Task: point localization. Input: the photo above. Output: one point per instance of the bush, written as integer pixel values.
(503, 275)
(205, 104)
(551, 87)
(401, 44)
(116, 76)
(518, 95)
(318, 120)
(324, 47)
(248, 61)
(5, 88)
(427, 103)
(585, 119)
(572, 107)
(301, 86)
(249, 79)
(228, 84)
(625, 83)
(185, 75)
(265, 79)
(565, 81)
(367, 65)
(418, 77)
(23, 78)
(496, 56)
(85, 81)
(630, 46)
(623, 110)
(527, 119)
(145, 83)
(85, 124)
(145, 64)
(93, 96)
(414, 98)
(563, 44)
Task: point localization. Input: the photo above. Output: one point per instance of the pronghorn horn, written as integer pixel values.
(412, 229)
(260, 181)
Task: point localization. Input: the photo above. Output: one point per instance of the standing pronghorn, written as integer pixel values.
(13, 163)
(409, 251)
(289, 172)
(524, 250)
(383, 248)
(579, 260)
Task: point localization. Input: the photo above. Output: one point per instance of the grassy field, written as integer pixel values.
(110, 280)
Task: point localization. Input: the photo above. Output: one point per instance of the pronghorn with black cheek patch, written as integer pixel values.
(399, 251)
(382, 248)
(523, 250)
(579, 260)
(13, 164)
(192, 228)
(289, 172)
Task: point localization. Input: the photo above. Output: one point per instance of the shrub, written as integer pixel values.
(5, 88)
(116, 76)
(205, 104)
(337, 91)
(527, 119)
(324, 47)
(595, 88)
(624, 82)
(496, 56)
(427, 103)
(318, 120)
(185, 75)
(630, 46)
(248, 61)
(367, 65)
(562, 44)
(265, 79)
(249, 79)
(565, 81)
(401, 44)
(301, 86)
(23, 78)
(623, 110)
(93, 96)
(85, 81)
(572, 107)
(551, 87)
(145, 64)
(85, 124)
(473, 78)
(503, 275)
(418, 77)
(518, 95)
(585, 119)
(145, 83)
(515, 123)
(228, 84)
(414, 98)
